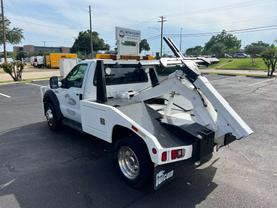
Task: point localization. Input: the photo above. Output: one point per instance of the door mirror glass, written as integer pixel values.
(54, 82)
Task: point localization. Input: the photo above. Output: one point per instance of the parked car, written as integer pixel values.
(38, 61)
(241, 55)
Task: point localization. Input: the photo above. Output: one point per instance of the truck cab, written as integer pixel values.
(122, 78)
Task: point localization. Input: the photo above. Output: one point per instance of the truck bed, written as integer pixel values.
(150, 120)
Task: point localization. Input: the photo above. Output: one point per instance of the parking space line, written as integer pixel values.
(256, 83)
(34, 84)
(6, 184)
(4, 95)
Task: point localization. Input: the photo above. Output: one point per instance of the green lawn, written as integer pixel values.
(241, 63)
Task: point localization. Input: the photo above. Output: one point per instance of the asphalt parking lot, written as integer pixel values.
(39, 168)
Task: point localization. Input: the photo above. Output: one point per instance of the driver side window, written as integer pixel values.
(76, 76)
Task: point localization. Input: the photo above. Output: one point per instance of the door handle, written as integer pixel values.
(80, 95)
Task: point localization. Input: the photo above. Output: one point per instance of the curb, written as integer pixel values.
(231, 74)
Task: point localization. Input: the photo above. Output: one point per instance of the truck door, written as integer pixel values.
(71, 92)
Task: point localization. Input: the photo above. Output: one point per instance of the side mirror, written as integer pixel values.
(54, 82)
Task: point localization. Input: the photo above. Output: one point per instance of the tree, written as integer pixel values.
(20, 55)
(144, 45)
(270, 59)
(256, 49)
(226, 42)
(82, 43)
(13, 35)
(195, 51)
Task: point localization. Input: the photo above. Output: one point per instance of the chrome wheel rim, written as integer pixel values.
(49, 117)
(128, 162)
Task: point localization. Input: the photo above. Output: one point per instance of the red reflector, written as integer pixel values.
(178, 153)
(164, 156)
(134, 128)
(173, 154)
(154, 151)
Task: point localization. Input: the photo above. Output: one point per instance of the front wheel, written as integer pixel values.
(51, 117)
(133, 161)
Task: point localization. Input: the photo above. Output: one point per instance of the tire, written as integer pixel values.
(133, 161)
(53, 121)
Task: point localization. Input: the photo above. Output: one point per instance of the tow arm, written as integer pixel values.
(210, 108)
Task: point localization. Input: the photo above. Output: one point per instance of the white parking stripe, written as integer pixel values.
(34, 84)
(7, 96)
(256, 83)
(6, 184)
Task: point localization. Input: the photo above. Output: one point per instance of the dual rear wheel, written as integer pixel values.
(133, 161)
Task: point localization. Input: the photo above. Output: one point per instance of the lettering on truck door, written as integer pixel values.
(71, 92)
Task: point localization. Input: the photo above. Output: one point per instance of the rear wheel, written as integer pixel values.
(133, 161)
(52, 117)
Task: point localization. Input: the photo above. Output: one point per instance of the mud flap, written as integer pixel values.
(163, 174)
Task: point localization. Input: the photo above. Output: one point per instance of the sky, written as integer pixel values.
(58, 22)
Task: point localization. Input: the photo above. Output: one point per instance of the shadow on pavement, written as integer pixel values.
(71, 169)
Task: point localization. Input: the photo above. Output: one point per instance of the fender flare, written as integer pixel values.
(51, 97)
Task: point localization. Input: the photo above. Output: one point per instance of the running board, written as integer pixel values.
(72, 124)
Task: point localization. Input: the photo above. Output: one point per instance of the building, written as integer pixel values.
(40, 50)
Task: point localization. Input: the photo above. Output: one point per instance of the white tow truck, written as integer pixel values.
(152, 124)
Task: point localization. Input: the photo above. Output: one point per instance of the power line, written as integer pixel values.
(218, 8)
(244, 30)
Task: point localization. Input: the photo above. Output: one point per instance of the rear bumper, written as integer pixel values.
(201, 152)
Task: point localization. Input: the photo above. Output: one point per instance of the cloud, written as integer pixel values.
(61, 20)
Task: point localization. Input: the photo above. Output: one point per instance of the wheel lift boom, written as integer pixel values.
(205, 99)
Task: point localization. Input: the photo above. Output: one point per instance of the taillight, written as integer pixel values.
(177, 153)
(164, 156)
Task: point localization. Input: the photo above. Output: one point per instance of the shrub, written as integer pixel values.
(14, 69)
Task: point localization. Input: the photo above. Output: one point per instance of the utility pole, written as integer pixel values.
(181, 31)
(90, 29)
(3, 31)
(162, 20)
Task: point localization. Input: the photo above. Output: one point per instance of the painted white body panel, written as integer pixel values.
(228, 121)
(92, 113)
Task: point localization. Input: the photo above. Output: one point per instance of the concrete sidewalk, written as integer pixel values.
(235, 72)
(31, 75)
